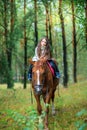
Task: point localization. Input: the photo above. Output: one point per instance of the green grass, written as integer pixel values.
(18, 100)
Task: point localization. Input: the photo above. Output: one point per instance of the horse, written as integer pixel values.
(43, 83)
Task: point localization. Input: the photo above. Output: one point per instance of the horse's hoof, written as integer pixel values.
(53, 112)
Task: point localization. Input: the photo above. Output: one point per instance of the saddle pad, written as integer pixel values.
(51, 69)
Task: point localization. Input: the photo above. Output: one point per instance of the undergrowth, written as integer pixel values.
(18, 113)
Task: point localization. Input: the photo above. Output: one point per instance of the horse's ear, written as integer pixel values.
(30, 61)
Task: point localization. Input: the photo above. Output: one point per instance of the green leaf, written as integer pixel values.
(28, 124)
(41, 126)
(83, 111)
(83, 126)
(47, 105)
(27, 128)
(77, 124)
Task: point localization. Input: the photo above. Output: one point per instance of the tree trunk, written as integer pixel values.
(50, 25)
(35, 23)
(65, 78)
(86, 22)
(11, 34)
(5, 22)
(8, 43)
(47, 19)
(25, 47)
(74, 45)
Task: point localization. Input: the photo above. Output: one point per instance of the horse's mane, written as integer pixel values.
(40, 63)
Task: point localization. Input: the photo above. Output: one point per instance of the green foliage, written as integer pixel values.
(17, 103)
(81, 124)
(28, 121)
(15, 37)
(82, 112)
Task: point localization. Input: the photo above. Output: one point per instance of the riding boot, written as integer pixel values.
(54, 66)
(30, 72)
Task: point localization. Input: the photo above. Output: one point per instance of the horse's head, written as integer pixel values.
(38, 75)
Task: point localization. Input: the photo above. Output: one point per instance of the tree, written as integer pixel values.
(3, 66)
(50, 24)
(65, 78)
(35, 23)
(20, 31)
(47, 5)
(74, 43)
(47, 16)
(86, 21)
(25, 47)
(8, 39)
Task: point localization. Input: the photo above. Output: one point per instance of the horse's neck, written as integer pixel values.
(49, 73)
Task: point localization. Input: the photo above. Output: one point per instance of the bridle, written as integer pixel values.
(38, 88)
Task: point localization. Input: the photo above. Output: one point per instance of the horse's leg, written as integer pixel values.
(46, 117)
(53, 107)
(39, 108)
(53, 95)
(47, 102)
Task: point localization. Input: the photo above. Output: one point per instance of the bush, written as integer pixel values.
(81, 124)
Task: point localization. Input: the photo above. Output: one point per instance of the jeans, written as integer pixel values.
(52, 63)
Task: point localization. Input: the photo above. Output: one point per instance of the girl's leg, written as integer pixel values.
(30, 72)
(54, 66)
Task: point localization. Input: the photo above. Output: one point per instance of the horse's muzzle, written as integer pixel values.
(38, 89)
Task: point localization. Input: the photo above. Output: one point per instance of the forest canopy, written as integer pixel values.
(24, 22)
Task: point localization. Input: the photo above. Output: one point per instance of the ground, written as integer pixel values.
(17, 112)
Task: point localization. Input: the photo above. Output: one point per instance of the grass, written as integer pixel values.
(18, 100)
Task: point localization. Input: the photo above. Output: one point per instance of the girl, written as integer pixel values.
(43, 51)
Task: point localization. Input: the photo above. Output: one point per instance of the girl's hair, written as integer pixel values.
(48, 50)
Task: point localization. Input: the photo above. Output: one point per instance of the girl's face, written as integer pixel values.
(43, 42)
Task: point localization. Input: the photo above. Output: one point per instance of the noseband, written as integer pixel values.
(38, 89)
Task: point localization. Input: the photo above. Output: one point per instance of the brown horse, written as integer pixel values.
(44, 84)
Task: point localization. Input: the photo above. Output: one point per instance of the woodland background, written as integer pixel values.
(24, 22)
